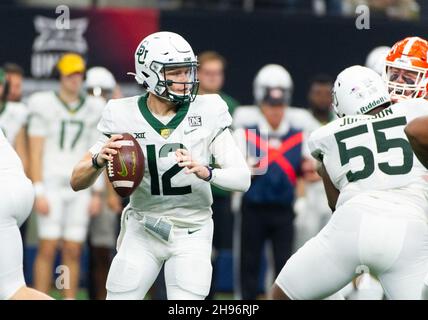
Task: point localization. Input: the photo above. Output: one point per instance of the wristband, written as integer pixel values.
(95, 162)
(210, 175)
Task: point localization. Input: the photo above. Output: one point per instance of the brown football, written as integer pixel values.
(126, 170)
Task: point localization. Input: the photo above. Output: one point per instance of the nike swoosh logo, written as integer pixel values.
(124, 169)
(189, 131)
(192, 231)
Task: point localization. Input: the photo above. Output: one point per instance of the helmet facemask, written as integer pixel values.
(176, 74)
(414, 85)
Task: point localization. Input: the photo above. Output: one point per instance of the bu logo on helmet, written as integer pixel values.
(141, 51)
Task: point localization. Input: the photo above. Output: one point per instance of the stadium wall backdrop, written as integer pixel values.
(107, 37)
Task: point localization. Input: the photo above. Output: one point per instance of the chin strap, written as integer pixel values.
(136, 77)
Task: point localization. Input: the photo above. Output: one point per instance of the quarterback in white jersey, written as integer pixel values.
(377, 190)
(15, 206)
(169, 215)
(62, 126)
(203, 119)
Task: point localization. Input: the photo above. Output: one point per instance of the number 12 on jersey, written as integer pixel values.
(168, 189)
(383, 145)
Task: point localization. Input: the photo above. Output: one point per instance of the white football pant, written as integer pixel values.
(68, 216)
(364, 235)
(17, 197)
(187, 259)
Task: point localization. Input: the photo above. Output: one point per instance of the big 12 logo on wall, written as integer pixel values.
(55, 38)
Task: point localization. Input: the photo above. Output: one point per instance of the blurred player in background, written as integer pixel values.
(15, 77)
(312, 211)
(319, 98)
(105, 203)
(267, 207)
(211, 74)
(13, 120)
(376, 59)
(376, 188)
(168, 220)
(15, 206)
(211, 71)
(62, 126)
(274, 75)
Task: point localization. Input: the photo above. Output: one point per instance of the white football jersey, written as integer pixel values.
(12, 118)
(367, 153)
(9, 160)
(68, 132)
(166, 190)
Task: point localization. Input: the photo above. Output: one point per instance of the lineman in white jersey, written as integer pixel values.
(13, 119)
(15, 206)
(61, 128)
(178, 132)
(376, 188)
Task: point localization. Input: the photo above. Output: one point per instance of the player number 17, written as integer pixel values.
(67, 126)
